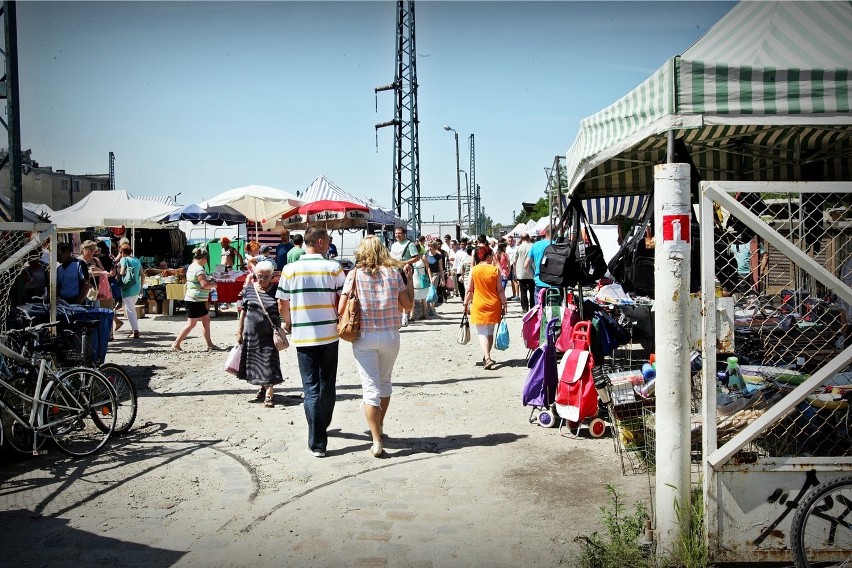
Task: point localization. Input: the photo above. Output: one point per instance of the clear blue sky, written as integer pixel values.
(201, 97)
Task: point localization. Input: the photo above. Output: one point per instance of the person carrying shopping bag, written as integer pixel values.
(260, 364)
(485, 300)
(382, 294)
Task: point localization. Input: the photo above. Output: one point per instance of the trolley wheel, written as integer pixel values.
(597, 427)
(547, 418)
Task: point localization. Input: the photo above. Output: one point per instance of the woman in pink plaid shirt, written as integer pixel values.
(383, 295)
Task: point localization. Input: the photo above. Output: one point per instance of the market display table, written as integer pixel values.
(227, 292)
(174, 297)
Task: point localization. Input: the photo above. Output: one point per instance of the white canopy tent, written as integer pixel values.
(540, 225)
(262, 205)
(519, 228)
(113, 209)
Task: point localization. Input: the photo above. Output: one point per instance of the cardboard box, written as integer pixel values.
(140, 311)
(154, 307)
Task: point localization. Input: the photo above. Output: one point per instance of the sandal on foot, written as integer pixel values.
(261, 395)
(268, 402)
(118, 324)
(489, 364)
(133, 335)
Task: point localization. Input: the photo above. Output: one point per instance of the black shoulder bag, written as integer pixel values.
(590, 257)
(633, 264)
(573, 262)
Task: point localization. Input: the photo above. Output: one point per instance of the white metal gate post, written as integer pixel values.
(671, 307)
(708, 371)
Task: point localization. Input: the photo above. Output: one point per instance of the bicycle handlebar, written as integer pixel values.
(33, 329)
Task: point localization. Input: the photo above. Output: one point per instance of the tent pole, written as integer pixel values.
(670, 147)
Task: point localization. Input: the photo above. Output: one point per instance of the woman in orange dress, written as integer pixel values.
(486, 300)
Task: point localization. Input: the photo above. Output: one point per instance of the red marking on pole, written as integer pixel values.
(676, 228)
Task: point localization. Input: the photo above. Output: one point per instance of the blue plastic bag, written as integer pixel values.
(433, 295)
(501, 341)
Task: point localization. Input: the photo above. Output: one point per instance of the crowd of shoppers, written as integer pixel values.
(95, 278)
(395, 285)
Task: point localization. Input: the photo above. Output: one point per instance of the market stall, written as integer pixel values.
(755, 118)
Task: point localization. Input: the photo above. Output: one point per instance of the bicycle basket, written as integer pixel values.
(75, 347)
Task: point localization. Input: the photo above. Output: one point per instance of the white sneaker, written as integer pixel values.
(404, 320)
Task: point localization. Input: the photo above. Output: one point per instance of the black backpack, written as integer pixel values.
(558, 267)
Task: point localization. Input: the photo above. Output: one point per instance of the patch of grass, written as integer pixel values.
(619, 546)
(690, 549)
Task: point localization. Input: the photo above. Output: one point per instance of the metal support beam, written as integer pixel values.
(111, 171)
(10, 83)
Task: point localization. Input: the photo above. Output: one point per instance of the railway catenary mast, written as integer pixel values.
(406, 167)
(472, 192)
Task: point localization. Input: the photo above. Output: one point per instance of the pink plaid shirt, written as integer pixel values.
(379, 296)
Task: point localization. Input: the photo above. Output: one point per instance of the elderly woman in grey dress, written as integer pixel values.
(260, 364)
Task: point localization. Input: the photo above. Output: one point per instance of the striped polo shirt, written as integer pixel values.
(311, 285)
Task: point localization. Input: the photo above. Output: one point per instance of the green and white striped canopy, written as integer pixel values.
(765, 95)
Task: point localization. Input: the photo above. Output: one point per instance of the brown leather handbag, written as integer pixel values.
(349, 325)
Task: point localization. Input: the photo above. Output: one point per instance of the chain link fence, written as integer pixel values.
(21, 249)
(787, 324)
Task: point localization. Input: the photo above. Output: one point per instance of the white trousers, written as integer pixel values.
(375, 354)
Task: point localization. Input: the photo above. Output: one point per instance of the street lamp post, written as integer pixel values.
(468, 202)
(458, 182)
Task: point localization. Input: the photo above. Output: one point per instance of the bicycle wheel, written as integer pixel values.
(125, 396)
(821, 530)
(79, 411)
(19, 436)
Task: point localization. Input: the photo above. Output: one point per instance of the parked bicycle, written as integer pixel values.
(75, 407)
(821, 530)
(75, 348)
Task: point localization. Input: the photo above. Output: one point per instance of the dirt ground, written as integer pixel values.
(206, 477)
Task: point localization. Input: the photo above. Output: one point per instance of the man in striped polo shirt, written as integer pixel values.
(307, 294)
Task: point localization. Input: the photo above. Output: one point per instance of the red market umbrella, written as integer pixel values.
(329, 214)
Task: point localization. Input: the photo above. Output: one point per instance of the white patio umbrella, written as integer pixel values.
(262, 205)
